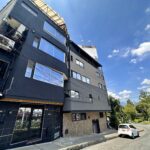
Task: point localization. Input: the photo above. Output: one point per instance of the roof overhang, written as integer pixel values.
(49, 12)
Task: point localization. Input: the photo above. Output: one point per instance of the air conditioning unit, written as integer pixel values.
(6, 43)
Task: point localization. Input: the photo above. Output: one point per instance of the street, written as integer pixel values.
(140, 143)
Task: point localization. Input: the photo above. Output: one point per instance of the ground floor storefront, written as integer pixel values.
(84, 123)
(26, 123)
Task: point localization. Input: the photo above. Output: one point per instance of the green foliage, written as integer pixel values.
(143, 107)
(117, 115)
(130, 110)
(139, 113)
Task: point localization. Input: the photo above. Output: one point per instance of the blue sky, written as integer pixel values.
(120, 29)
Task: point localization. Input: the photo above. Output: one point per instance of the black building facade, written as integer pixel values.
(33, 68)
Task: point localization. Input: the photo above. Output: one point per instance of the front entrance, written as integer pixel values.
(28, 124)
(95, 125)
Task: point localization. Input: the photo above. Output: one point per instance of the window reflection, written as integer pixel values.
(51, 30)
(52, 50)
(46, 74)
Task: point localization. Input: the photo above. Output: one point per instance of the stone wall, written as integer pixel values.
(83, 127)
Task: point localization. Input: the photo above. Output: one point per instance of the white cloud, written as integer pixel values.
(122, 95)
(145, 85)
(109, 56)
(113, 95)
(145, 82)
(126, 53)
(147, 10)
(142, 49)
(147, 28)
(134, 61)
(141, 68)
(125, 94)
(115, 51)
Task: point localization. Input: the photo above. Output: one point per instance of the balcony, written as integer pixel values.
(12, 34)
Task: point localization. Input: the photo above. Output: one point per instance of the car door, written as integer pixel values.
(134, 130)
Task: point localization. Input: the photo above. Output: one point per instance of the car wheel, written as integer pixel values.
(138, 134)
(133, 136)
(120, 135)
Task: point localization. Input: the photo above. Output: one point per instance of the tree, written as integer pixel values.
(143, 106)
(117, 115)
(130, 110)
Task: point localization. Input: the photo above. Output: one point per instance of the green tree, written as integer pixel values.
(117, 115)
(130, 110)
(143, 106)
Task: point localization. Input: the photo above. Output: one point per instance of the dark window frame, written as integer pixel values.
(79, 117)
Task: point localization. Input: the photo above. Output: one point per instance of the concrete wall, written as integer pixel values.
(83, 127)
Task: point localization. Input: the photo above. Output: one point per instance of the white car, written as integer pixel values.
(128, 129)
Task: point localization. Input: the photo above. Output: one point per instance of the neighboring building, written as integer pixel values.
(33, 67)
(91, 50)
(86, 99)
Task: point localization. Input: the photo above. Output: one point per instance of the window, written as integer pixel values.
(52, 50)
(74, 74)
(29, 69)
(52, 31)
(78, 76)
(90, 97)
(88, 80)
(47, 75)
(30, 10)
(100, 85)
(131, 126)
(83, 78)
(78, 116)
(74, 94)
(79, 63)
(71, 58)
(98, 74)
(3, 68)
(101, 114)
(36, 42)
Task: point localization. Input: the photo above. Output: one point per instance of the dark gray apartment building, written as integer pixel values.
(86, 99)
(33, 68)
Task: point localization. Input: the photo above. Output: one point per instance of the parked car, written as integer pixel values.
(128, 129)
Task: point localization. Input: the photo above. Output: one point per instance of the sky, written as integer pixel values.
(120, 29)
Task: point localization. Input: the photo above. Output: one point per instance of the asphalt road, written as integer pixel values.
(140, 143)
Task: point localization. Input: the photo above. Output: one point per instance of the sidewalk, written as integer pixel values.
(72, 143)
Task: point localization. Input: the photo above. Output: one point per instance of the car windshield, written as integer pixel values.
(131, 126)
(123, 126)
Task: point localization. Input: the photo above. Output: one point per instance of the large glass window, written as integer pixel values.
(28, 124)
(51, 30)
(46, 74)
(52, 50)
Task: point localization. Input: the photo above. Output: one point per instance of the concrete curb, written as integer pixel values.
(86, 144)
